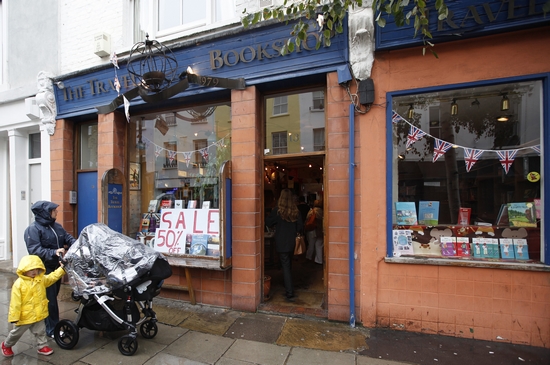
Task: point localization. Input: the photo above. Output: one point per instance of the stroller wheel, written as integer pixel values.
(75, 297)
(66, 334)
(127, 345)
(148, 329)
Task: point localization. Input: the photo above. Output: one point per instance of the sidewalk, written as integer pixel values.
(197, 334)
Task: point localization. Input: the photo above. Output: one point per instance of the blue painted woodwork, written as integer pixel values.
(306, 61)
(467, 18)
(87, 199)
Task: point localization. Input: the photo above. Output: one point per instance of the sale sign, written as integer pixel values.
(187, 231)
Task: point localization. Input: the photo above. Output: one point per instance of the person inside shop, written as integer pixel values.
(314, 232)
(288, 223)
(48, 240)
(303, 207)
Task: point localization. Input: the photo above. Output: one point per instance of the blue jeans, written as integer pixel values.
(286, 265)
(53, 309)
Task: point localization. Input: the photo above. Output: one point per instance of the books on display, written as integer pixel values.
(522, 214)
(507, 249)
(428, 213)
(448, 246)
(463, 246)
(521, 250)
(464, 216)
(405, 213)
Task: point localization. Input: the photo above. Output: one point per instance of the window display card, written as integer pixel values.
(428, 213)
(448, 246)
(192, 204)
(402, 242)
(521, 250)
(178, 204)
(463, 246)
(464, 216)
(507, 249)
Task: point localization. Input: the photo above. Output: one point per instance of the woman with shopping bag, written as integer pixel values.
(288, 223)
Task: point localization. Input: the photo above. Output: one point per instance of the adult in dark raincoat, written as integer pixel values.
(48, 240)
(288, 222)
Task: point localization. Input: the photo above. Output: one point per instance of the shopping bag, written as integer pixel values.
(300, 247)
(311, 221)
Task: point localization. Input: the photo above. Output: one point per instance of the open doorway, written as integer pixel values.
(304, 176)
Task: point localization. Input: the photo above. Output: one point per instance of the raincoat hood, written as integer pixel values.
(42, 211)
(29, 262)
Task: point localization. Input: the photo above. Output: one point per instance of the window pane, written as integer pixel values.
(169, 14)
(476, 153)
(299, 119)
(35, 145)
(180, 155)
(193, 11)
(88, 146)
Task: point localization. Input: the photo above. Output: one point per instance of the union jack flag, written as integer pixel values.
(506, 158)
(396, 118)
(187, 157)
(158, 150)
(537, 148)
(440, 148)
(470, 157)
(117, 85)
(414, 135)
(172, 155)
(204, 153)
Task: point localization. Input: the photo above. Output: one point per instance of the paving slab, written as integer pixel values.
(216, 321)
(323, 335)
(197, 346)
(300, 356)
(257, 327)
(258, 352)
(166, 359)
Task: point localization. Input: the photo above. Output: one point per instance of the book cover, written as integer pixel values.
(448, 246)
(502, 217)
(405, 213)
(192, 204)
(493, 251)
(165, 204)
(178, 204)
(522, 214)
(213, 249)
(537, 207)
(507, 249)
(402, 242)
(477, 247)
(464, 216)
(521, 250)
(428, 213)
(144, 224)
(198, 244)
(153, 206)
(463, 246)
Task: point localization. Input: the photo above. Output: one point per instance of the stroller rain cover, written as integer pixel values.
(102, 260)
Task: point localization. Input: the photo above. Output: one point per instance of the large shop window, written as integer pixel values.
(467, 173)
(175, 161)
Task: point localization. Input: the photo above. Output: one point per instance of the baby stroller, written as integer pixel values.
(114, 277)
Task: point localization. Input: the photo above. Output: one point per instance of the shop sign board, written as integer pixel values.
(466, 19)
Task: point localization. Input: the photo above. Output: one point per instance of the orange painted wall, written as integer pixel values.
(480, 303)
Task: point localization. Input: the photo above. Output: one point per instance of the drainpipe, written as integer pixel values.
(351, 215)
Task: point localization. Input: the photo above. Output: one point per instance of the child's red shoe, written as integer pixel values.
(45, 351)
(6, 351)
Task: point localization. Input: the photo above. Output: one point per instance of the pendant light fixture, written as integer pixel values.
(504, 103)
(410, 113)
(454, 107)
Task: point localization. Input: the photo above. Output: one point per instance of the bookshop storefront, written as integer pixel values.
(191, 172)
(467, 241)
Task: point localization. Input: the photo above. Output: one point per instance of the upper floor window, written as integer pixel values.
(318, 99)
(280, 105)
(279, 141)
(161, 18)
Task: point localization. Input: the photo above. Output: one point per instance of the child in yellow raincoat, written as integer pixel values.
(29, 305)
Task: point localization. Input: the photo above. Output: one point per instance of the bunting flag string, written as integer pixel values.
(471, 155)
(440, 148)
(186, 154)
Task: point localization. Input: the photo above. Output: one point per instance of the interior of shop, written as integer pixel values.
(304, 176)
